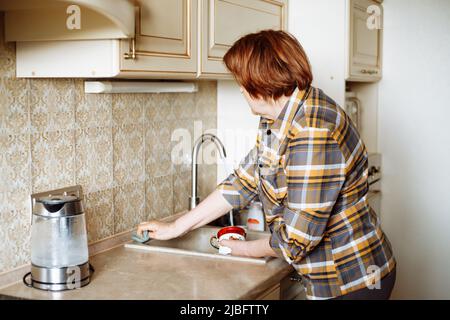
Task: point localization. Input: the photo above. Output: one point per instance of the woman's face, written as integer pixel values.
(258, 107)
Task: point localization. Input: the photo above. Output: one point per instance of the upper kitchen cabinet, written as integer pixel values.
(222, 23)
(52, 20)
(170, 39)
(365, 40)
(166, 40)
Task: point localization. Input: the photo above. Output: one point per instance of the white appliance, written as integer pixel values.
(353, 108)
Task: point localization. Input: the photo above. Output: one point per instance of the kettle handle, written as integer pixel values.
(24, 279)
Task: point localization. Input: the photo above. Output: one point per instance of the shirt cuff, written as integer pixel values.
(288, 251)
(274, 243)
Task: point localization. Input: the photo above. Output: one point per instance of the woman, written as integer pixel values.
(309, 169)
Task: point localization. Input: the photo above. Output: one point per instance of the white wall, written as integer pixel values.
(414, 139)
(236, 125)
(320, 28)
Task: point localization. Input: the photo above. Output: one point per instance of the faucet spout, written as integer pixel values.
(194, 199)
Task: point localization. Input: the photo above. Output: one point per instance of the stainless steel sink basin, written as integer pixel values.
(196, 243)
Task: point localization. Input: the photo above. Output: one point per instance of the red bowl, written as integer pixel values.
(232, 229)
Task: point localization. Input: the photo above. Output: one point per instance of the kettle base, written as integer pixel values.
(60, 279)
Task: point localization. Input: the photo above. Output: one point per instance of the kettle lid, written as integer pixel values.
(58, 206)
(57, 199)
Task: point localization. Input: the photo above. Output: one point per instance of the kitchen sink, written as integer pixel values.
(196, 243)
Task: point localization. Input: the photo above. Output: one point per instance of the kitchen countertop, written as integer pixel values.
(125, 273)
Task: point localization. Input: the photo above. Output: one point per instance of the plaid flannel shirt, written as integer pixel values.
(309, 169)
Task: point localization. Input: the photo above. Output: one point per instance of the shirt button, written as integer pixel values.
(269, 132)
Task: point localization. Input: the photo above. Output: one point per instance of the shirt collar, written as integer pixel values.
(282, 124)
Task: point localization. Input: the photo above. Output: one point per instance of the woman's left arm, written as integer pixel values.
(255, 249)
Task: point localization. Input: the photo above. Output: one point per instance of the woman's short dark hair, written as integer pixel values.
(269, 64)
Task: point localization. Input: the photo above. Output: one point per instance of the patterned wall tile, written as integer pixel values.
(15, 174)
(129, 206)
(128, 109)
(159, 197)
(181, 191)
(210, 156)
(99, 212)
(206, 180)
(15, 161)
(206, 99)
(159, 107)
(158, 160)
(210, 124)
(182, 143)
(184, 106)
(92, 110)
(94, 158)
(14, 107)
(53, 163)
(128, 156)
(14, 239)
(52, 103)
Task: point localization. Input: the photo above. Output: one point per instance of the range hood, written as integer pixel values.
(48, 20)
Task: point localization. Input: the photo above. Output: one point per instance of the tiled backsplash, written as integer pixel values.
(117, 146)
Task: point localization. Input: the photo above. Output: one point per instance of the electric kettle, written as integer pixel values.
(59, 249)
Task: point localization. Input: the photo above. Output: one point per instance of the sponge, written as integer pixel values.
(145, 237)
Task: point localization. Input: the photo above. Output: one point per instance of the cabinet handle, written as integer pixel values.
(131, 55)
(373, 170)
(365, 71)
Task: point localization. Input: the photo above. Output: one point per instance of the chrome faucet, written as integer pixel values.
(194, 199)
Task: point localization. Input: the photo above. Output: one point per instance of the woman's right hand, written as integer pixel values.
(159, 230)
(213, 207)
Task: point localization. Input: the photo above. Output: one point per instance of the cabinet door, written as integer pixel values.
(225, 21)
(374, 199)
(166, 39)
(366, 18)
(271, 294)
(291, 288)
